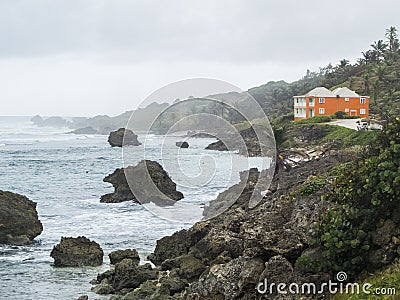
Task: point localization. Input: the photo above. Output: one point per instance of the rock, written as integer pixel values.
(129, 275)
(170, 247)
(200, 134)
(77, 252)
(221, 282)
(188, 267)
(85, 130)
(83, 297)
(119, 255)
(123, 137)
(218, 146)
(149, 290)
(103, 288)
(219, 241)
(49, 122)
(147, 179)
(182, 144)
(19, 223)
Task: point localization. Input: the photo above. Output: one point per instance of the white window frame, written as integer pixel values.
(322, 111)
(363, 111)
(311, 103)
(321, 100)
(346, 110)
(363, 100)
(347, 99)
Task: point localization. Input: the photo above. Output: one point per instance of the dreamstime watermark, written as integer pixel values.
(330, 287)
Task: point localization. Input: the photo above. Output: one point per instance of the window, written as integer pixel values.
(346, 110)
(322, 111)
(311, 102)
(362, 111)
(363, 100)
(321, 100)
(347, 99)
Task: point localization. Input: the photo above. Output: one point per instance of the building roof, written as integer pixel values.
(324, 92)
(320, 92)
(345, 92)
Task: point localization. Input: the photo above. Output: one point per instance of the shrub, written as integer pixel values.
(367, 192)
(316, 119)
(312, 186)
(339, 114)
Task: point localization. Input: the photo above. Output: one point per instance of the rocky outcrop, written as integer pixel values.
(49, 122)
(218, 146)
(85, 130)
(182, 144)
(77, 252)
(119, 255)
(147, 179)
(126, 275)
(250, 145)
(19, 223)
(123, 137)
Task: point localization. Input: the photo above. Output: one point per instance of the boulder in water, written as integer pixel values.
(77, 252)
(123, 137)
(147, 179)
(182, 144)
(19, 223)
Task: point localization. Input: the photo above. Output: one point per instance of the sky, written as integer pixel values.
(90, 57)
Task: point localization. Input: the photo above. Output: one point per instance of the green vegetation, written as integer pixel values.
(364, 196)
(316, 119)
(348, 137)
(313, 185)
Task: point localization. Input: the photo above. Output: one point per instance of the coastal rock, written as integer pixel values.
(119, 255)
(182, 144)
(147, 179)
(85, 130)
(77, 252)
(126, 275)
(218, 146)
(19, 223)
(49, 122)
(123, 137)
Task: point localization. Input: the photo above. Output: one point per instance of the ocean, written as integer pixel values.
(64, 174)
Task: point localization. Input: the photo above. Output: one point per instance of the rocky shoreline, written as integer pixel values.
(226, 257)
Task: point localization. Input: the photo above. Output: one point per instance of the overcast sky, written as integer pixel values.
(82, 57)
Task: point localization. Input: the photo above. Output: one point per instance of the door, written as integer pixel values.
(311, 112)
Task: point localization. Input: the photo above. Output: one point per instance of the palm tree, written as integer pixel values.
(393, 38)
(379, 49)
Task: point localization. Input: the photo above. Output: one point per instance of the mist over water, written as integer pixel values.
(64, 174)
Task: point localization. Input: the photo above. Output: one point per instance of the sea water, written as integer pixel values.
(64, 173)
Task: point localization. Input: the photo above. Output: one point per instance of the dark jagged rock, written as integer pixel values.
(218, 146)
(123, 137)
(182, 144)
(19, 223)
(77, 252)
(147, 179)
(127, 274)
(119, 255)
(85, 130)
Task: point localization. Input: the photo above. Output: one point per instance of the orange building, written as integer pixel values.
(322, 102)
